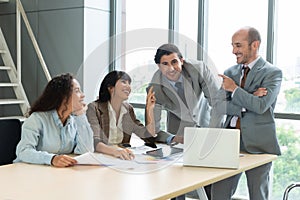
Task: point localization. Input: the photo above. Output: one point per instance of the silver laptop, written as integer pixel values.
(211, 147)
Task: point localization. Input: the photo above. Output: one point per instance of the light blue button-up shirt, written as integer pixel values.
(43, 136)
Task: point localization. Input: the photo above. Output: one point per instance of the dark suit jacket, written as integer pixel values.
(98, 117)
(258, 130)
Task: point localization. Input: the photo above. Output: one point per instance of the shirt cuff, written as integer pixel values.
(233, 92)
(169, 139)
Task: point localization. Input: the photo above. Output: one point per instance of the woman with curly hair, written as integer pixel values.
(57, 125)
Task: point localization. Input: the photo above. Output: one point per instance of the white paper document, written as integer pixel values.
(97, 159)
(101, 159)
(141, 163)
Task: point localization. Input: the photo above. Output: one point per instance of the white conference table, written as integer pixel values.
(35, 182)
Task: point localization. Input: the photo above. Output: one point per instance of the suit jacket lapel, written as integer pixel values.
(188, 84)
(253, 72)
(104, 118)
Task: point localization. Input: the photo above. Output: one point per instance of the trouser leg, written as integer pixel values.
(208, 191)
(223, 190)
(258, 180)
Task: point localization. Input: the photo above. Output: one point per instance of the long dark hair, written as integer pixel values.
(110, 81)
(58, 90)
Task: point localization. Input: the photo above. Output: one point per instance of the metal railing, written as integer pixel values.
(20, 12)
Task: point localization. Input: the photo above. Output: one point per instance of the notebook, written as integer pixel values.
(211, 147)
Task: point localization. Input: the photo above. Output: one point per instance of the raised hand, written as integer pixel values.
(150, 103)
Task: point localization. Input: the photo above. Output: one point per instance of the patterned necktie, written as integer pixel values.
(180, 91)
(243, 81)
(246, 71)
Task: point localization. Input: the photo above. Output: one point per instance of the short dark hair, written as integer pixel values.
(110, 81)
(166, 49)
(253, 35)
(58, 90)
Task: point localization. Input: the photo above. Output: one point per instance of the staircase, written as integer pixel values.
(10, 80)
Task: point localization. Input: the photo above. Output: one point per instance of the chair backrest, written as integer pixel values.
(10, 135)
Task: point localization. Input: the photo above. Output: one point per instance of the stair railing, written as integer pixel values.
(20, 12)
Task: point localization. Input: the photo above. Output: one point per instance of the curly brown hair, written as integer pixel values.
(57, 91)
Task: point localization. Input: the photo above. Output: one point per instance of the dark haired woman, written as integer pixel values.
(57, 125)
(113, 119)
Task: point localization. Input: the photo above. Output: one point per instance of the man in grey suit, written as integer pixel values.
(187, 90)
(251, 107)
(188, 105)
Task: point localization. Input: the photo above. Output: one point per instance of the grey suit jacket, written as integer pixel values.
(258, 131)
(200, 88)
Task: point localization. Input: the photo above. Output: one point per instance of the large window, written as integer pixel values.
(188, 19)
(226, 17)
(187, 28)
(287, 56)
(146, 27)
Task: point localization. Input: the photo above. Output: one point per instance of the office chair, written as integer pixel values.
(10, 135)
(288, 189)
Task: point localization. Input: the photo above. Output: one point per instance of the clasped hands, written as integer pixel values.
(229, 85)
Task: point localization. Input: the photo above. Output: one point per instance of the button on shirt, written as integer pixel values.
(43, 136)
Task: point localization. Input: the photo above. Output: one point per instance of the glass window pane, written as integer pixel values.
(140, 115)
(147, 14)
(187, 18)
(146, 28)
(226, 17)
(287, 56)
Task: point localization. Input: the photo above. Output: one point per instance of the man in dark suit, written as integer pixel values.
(250, 106)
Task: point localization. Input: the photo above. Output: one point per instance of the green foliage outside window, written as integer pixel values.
(287, 166)
(292, 97)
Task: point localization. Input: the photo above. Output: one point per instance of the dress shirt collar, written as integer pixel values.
(250, 65)
(173, 82)
(110, 109)
(57, 120)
